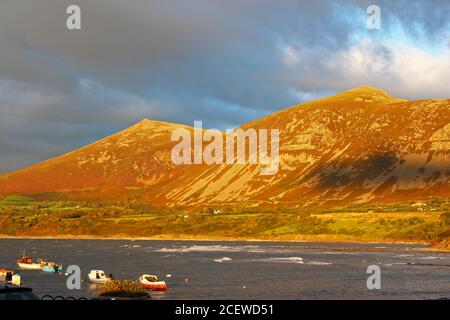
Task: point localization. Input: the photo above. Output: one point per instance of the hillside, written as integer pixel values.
(360, 146)
(108, 169)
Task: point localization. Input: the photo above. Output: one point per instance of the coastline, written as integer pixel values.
(307, 240)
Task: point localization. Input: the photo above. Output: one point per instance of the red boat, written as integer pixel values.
(151, 282)
(28, 264)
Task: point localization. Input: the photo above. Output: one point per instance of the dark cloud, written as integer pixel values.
(223, 62)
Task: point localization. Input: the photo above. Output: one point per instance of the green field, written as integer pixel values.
(402, 222)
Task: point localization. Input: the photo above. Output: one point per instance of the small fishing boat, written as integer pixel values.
(50, 266)
(26, 263)
(151, 282)
(98, 277)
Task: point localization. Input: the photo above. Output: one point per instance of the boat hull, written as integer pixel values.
(50, 269)
(155, 286)
(98, 281)
(29, 266)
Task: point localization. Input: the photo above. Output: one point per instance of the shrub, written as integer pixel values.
(123, 288)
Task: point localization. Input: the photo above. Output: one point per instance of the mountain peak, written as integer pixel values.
(156, 124)
(366, 88)
(367, 94)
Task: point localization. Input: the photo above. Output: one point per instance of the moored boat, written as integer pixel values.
(50, 266)
(97, 277)
(27, 263)
(151, 282)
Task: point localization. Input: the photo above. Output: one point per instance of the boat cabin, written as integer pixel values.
(6, 275)
(27, 260)
(98, 274)
(151, 278)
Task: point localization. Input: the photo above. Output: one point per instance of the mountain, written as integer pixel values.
(362, 145)
(107, 169)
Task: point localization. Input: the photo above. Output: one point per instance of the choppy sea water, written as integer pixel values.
(240, 270)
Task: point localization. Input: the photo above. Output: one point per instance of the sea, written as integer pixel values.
(240, 270)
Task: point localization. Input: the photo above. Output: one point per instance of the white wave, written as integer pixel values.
(131, 246)
(223, 259)
(339, 252)
(429, 258)
(394, 263)
(318, 263)
(213, 248)
(297, 260)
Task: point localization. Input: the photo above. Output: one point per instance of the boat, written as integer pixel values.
(98, 277)
(50, 266)
(27, 263)
(151, 282)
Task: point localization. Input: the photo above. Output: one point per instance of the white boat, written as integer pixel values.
(97, 276)
(151, 282)
(27, 264)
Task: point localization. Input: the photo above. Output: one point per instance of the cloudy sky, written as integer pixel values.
(223, 62)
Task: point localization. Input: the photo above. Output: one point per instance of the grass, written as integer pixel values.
(16, 200)
(20, 216)
(122, 289)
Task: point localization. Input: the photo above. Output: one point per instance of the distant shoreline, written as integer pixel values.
(214, 239)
